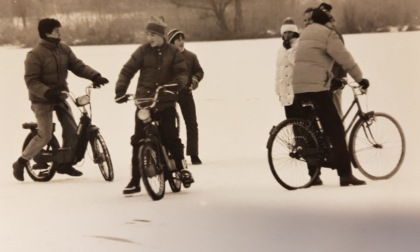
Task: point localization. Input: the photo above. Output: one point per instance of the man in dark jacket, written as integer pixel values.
(46, 70)
(159, 63)
(185, 97)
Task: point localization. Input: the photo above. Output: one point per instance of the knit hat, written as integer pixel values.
(288, 26)
(156, 26)
(320, 16)
(173, 34)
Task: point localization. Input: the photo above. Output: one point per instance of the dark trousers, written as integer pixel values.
(168, 135)
(331, 123)
(187, 105)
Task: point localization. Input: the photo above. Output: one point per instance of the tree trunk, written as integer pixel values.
(238, 23)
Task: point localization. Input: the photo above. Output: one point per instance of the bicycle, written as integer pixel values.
(156, 163)
(43, 166)
(376, 145)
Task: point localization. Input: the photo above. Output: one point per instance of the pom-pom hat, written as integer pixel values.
(289, 26)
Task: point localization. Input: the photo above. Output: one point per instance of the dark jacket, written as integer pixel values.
(157, 66)
(47, 65)
(194, 67)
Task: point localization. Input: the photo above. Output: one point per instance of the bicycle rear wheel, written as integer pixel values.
(152, 174)
(377, 146)
(286, 146)
(102, 157)
(42, 171)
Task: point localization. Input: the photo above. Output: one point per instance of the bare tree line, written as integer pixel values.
(113, 22)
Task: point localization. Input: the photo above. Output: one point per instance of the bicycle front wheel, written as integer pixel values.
(377, 146)
(173, 176)
(102, 157)
(151, 171)
(286, 147)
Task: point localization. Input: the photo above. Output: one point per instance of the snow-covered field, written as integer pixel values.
(235, 204)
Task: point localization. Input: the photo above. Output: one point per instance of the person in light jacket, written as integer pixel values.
(285, 63)
(319, 47)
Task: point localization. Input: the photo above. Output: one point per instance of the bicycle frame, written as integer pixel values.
(85, 129)
(360, 113)
(151, 126)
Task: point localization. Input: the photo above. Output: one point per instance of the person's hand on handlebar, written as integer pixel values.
(99, 81)
(364, 84)
(122, 98)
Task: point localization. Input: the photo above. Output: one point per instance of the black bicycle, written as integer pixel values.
(156, 162)
(376, 145)
(43, 166)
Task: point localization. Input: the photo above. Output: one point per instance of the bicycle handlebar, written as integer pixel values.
(154, 99)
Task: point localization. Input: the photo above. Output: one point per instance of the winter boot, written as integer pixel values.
(186, 176)
(18, 168)
(351, 180)
(132, 187)
(195, 160)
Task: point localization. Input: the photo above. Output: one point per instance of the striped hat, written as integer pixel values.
(288, 26)
(172, 34)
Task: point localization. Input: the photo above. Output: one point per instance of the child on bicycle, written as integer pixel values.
(159, 63)
(46, 70)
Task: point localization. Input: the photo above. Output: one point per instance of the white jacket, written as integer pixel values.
(284, 73)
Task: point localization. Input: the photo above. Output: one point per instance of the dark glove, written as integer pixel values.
(121, 98)
(364, 83)
(53, 95)
(99, 81)
(194, 83)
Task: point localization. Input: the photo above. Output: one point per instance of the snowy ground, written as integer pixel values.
(235, 204)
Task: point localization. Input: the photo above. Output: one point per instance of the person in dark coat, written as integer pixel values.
(46, 70)
(185, 97)
(319, 47)
(159, 63)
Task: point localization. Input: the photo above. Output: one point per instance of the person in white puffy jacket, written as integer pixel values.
(285, 63)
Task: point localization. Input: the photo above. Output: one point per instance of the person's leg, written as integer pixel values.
(134, 184)
(169, 134)
(334, 129)
(69, 126)
(44, 118)
(70, 138)
(296, 110)
(43, 114)
(188, 109)
(170, 139)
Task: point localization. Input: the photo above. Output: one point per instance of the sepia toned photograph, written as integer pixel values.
(209, 125)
